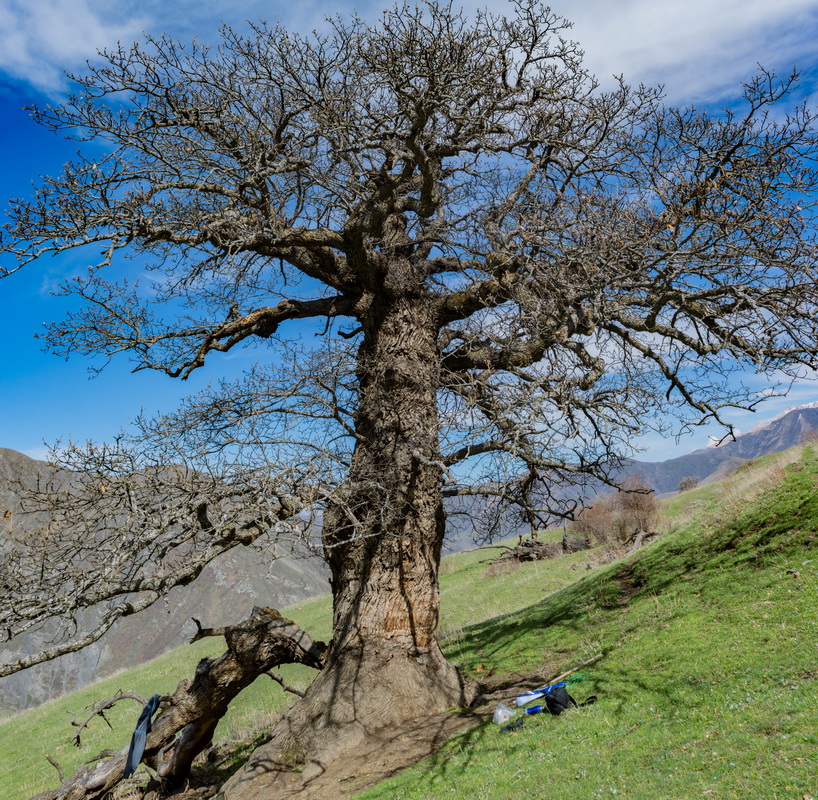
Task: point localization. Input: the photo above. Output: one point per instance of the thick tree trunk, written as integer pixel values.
(383, 546)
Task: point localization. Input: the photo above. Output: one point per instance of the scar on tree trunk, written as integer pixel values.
(254, 647)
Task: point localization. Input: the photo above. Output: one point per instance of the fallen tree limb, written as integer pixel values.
(185, 725)
(532, 549)
(581, 665)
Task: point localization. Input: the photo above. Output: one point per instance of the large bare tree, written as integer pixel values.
(508, 270)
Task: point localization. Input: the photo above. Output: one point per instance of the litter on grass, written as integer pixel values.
(556, 697)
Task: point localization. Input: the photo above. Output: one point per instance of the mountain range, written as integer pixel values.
(795, 426)
(232, 584)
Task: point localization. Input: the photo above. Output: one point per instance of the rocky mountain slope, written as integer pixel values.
(237, 581)
(791, 428)
(225, 592)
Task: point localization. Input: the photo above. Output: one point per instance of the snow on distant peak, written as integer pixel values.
(760, 426)
(715, 441)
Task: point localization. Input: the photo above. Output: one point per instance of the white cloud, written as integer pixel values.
(700, 49)
(39, 40)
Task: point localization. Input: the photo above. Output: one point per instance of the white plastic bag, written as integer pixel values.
(503, 714)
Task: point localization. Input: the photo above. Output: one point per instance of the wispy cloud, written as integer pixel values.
(41, 453)
(700, 49)
(39, 40)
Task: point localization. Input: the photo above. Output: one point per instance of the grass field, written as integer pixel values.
(708, 686)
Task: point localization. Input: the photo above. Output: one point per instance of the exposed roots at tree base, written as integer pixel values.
(359, 763)
(361, 696)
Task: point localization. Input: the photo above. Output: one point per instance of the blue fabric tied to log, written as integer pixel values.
(140, 735)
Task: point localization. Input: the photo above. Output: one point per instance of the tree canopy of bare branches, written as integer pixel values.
(510, 270)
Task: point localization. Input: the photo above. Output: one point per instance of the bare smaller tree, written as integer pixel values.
(638, 509)
(621, 517)
(596, 522)
(688, 482)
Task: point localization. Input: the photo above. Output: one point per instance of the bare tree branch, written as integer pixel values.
(529, 272)
(283, 684)
(98, 710)
(187, 719)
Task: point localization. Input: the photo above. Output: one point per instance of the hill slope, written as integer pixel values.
(708, 685)
(233, 584)
(709, 682)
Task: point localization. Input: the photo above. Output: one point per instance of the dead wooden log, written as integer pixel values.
(534, 550)
(640, 540)
(574, 544)
(186, 721)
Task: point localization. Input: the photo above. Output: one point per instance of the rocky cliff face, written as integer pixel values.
(225, 592)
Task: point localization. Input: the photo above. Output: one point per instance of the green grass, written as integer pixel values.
(468, 596)
(708, 686)
(709, 683)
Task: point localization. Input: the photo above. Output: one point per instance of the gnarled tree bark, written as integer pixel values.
(187, 719)
(383, 546)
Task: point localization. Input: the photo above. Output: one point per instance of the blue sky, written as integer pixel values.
(699, 49)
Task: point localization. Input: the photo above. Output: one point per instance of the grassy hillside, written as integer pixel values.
(708, 686)
(468, 597)
(709, 683)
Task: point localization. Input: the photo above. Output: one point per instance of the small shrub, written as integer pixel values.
(597, 522)
(638, 509)
(689, 482)
(619, 518)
